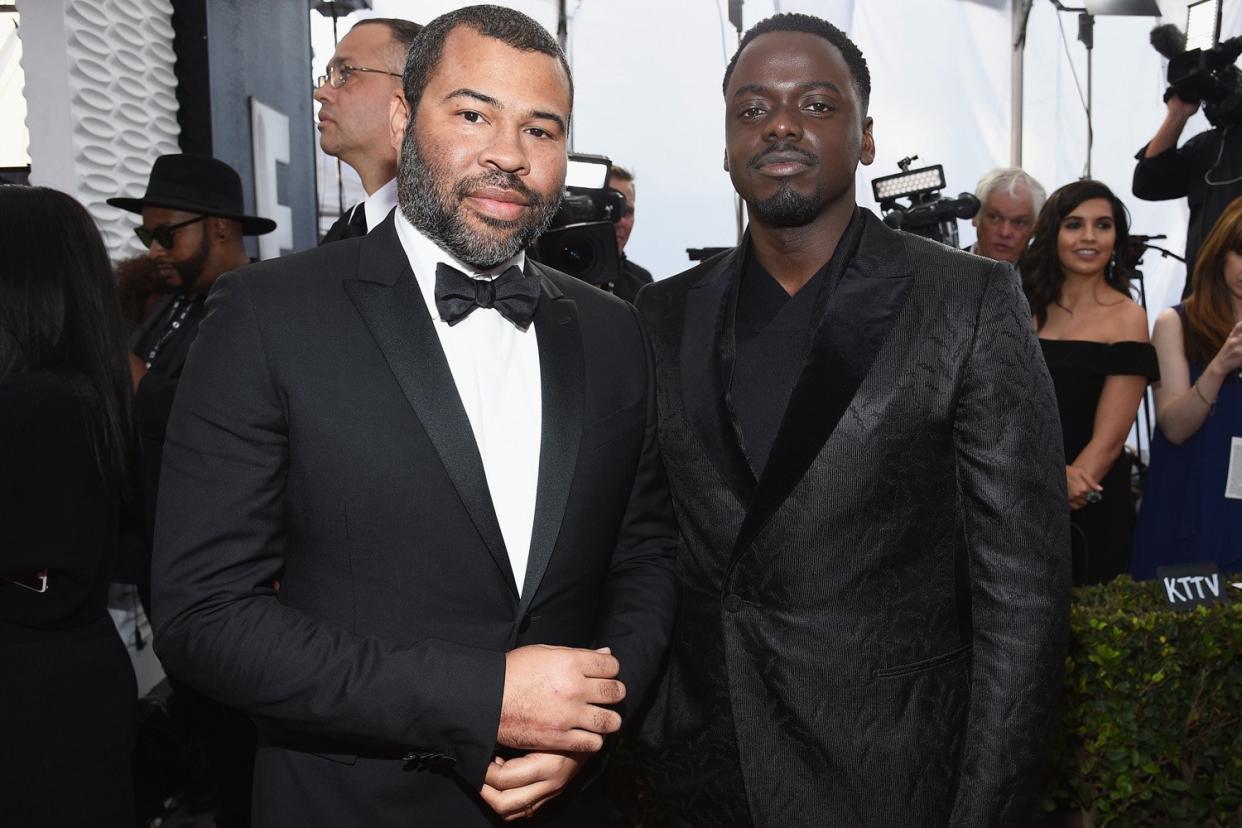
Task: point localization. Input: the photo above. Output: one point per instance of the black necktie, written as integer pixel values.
(511, 294)
(357, 222)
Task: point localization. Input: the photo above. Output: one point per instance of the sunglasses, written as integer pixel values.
(162, 233)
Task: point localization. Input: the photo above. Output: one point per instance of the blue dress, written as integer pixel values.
(1185, 516)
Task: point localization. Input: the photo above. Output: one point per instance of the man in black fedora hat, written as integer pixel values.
(193, 221)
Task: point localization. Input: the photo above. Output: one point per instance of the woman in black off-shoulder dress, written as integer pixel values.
(1095, 342)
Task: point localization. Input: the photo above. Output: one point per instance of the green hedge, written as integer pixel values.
(1151, 722)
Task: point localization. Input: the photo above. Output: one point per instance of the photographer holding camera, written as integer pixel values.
(1207, 169)
(633, 276)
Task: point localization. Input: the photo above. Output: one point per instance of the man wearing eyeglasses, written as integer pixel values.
(193, 221)
(354, 95)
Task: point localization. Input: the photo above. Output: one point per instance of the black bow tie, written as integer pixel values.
(511, 294)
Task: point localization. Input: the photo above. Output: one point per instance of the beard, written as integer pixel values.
(788, 208)
(189, 270)
(432, 201)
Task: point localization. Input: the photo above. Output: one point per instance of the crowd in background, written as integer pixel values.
(82, 414)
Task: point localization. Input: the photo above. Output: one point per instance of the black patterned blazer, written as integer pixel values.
(873, 632)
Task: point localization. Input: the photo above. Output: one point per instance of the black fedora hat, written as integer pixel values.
(196, 184)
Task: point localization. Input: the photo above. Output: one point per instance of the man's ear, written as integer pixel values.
(398, 117)
(726, 160)
(867, 155)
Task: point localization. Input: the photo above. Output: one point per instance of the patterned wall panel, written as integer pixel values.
(122, 100)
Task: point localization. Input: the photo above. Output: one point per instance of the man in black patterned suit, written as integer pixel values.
(864, 452)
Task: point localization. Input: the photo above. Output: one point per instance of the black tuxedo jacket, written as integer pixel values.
(340, 228)
(327, 555)
(873, 632)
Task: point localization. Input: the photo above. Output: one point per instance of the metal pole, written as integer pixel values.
(1021, 11)
(562, 38)
(1086, 33)
(1090, 134)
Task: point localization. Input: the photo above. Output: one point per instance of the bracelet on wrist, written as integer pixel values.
(1211, 404)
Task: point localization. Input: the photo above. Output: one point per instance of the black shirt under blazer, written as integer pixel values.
(873, 633)
(318, 441)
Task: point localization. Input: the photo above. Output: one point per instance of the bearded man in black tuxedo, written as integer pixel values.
(412, 518)
(863, 448)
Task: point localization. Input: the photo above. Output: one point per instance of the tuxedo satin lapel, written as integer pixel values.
(563, 386)
(389, 302)
(856, 317)
(708, 349)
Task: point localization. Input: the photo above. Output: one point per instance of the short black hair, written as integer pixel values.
(809, 24)
(506, 25)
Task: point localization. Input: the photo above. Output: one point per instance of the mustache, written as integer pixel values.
(500, 180)
(787, 149)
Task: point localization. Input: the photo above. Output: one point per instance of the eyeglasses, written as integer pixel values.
(337, 75)
(163, 233)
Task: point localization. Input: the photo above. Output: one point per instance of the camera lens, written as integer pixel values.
(577, 257)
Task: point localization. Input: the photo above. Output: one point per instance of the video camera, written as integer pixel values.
(582, 240)
(927, 215)
(1204, 73)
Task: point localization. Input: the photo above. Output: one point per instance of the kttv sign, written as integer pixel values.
(1192, 585)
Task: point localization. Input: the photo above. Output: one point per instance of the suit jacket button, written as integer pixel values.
(733, 602)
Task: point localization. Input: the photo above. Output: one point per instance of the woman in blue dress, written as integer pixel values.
(1190, 513)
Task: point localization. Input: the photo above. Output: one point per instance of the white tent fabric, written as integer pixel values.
(14, 138)
(648, 76)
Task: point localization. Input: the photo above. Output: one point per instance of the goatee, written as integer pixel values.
(429, 198)
(788, 208)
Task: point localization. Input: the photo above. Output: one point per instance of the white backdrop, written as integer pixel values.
(648, 76)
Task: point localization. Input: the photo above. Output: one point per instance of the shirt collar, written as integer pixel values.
(379, 204)
(424, 255)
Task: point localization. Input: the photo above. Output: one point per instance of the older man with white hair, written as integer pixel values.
(1010, 199)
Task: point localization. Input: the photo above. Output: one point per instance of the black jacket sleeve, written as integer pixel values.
(1012, 478)
(641, 596)
(1170, 174)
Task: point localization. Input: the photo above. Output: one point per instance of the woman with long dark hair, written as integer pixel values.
(1190, 512)
(68, 696)
(1094, 339)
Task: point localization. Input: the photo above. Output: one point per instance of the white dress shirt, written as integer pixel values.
(379, 204)
(495, 366)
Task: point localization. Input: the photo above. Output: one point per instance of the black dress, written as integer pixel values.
(1101, 531)
(67, 697)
